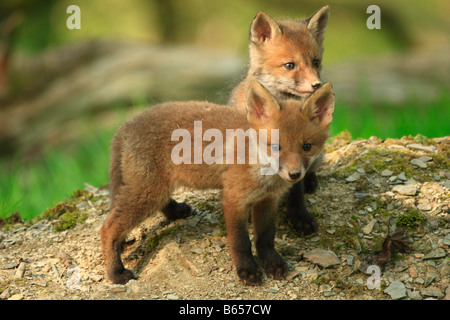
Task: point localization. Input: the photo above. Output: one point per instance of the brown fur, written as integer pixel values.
(272, 45)
(142, 174)
(275, 43)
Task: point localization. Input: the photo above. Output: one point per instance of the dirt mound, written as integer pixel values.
(368, 190)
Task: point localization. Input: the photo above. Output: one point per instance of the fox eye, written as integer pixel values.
(276, 147)
(306, 147)
(289, 65)
(316, 63)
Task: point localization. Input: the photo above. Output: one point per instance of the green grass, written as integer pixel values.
(30, 189)
(429, 119)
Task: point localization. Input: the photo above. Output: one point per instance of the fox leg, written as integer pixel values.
(130, 208)
(310, 182)
(240, 245)
(176, 210)
(264, 224)
(303, 222)
(112, 234)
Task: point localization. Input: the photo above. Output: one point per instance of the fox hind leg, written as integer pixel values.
(113, 232)
(129, 210)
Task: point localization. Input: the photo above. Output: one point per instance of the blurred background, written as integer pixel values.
(63, 92)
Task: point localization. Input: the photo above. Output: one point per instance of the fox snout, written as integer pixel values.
(308, 87)
(292, 175)
(316, 85)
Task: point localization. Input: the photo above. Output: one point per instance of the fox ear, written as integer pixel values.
(318, 22)
(263, 28)
(261, 105)
(320, 105)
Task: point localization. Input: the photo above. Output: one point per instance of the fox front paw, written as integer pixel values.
(275, 266)
(251, 275)
(121, 277)
(305, 225)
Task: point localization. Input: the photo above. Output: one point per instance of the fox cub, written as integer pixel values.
(286, 58)
(143, 173)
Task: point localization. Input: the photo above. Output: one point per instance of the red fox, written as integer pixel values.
(143, 172)
(286, 58)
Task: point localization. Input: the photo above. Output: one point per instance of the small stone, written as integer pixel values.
(11, 265)
(212, 218)
(172, 297)
(350, 260)
(354, 177)
(360, 195)
(324, 258)
(20, 270)
(386, 173)
(118, 289)
(361, 170)
(197, 251)
(410, 182)
(16, 297)
(445, 269)
(5, 294)
(328, 293)
(419, 163)
(311, 274)
(419, 281)
(424, 207)
(96, 277)
(414, 295)
(369, 227)
(396, 290)
(425, 159)
(435, 254)
(418, 146)
(413, 272)
(432, 292)
(409, 190)
(194, 221)
(402, 176)
(392, 179)
(447, 293)
(271, 290)
(400, 266)
(446, 240)
(429, 278)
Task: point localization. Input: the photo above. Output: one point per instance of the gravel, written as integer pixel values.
(357, 204)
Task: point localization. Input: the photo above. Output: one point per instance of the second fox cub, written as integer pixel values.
(143, 175)
(286, 57)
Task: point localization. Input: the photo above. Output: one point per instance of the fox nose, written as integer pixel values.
(316, 85)
(294, 175)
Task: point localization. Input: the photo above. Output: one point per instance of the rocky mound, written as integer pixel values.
(383, 213)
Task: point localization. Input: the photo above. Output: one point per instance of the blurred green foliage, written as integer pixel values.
(30, 188)
(225, 24)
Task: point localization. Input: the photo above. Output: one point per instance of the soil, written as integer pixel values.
(361, 199)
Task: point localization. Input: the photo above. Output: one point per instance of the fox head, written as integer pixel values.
(303, 126)
(286, 56)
